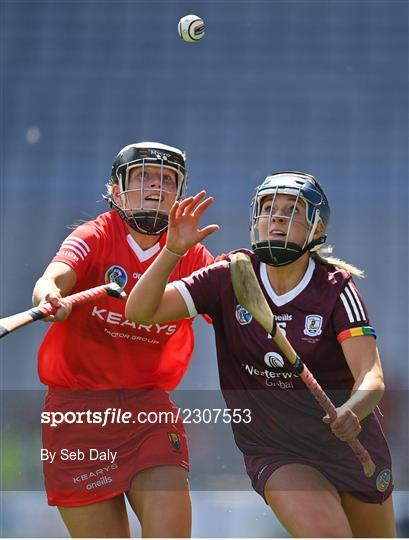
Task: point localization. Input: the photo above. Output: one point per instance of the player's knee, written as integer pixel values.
(335, 532)
(173, 502)
(318, 522)
(165, 503)
(324, 528)
(169, 514)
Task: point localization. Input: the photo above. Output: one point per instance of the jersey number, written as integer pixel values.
(282, 325)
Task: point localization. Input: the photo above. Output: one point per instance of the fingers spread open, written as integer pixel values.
(193, 201)
(210, 229)
(199, 196)
(199, 210)
(173, 210)
(182, 205)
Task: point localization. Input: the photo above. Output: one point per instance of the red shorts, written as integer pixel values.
(85, 462)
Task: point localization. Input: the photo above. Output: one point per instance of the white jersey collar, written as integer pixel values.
(142, 254)
(281, 300)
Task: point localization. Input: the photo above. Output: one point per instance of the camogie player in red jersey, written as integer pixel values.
(302, 467)
(99, 364)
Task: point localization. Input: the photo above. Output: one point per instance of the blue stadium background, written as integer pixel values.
(319, 86)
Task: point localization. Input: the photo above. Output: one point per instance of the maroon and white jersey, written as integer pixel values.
(321, 311)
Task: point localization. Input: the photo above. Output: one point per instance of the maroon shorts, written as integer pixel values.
(346, 474)
(85, 462)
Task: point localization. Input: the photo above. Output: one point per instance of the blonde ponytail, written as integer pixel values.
(318, 256)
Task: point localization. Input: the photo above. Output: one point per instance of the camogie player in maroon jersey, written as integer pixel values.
(97, 361)
(299, 464)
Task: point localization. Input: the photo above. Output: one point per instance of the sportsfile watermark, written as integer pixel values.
(112, 415)
(91, 433)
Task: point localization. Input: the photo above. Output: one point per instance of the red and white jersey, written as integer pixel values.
(97, 347)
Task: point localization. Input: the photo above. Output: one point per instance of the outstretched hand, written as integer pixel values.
(183, 229)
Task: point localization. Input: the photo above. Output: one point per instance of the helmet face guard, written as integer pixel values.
(150, 221)
(302, 187)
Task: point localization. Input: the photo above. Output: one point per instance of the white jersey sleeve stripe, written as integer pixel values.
(361, 309)
(187, 297)
(81, 241)
(72, 248)
(68, 242)
(347, 308)
(353, 304)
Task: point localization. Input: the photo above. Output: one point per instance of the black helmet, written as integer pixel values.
(146, 221)
(301, 186)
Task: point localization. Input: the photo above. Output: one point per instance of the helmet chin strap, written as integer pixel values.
(149, 222)
(281, 253)
(278, 252)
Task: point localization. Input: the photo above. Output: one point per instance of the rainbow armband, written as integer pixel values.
(353, 332)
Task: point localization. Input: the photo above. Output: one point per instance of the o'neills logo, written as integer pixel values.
(101, 482)
(95, 474)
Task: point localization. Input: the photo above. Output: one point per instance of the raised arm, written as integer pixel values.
(152, 300)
